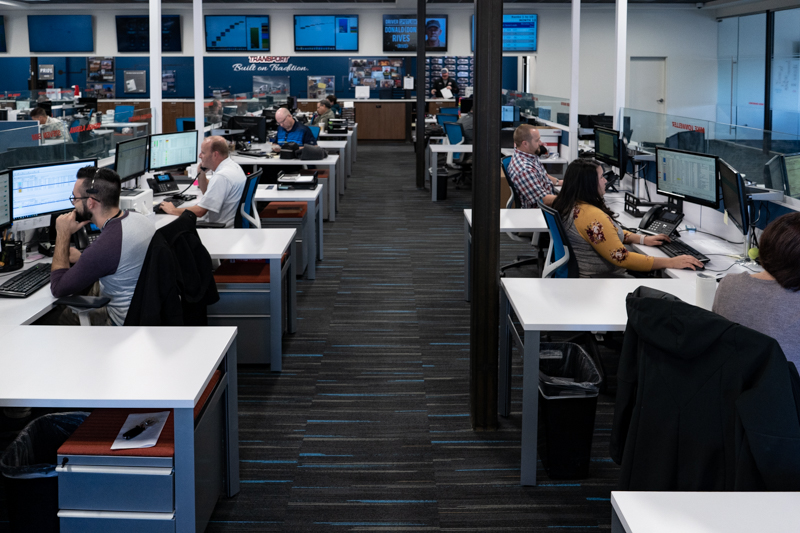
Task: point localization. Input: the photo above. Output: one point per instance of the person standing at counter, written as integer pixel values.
(445, 82)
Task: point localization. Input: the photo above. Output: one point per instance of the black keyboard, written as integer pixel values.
(174, 201)
(678, 247)
(27, 282)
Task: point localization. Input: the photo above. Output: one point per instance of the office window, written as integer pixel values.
(785, 73)
(741, 55)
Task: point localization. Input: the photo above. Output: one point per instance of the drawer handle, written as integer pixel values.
(377, 106)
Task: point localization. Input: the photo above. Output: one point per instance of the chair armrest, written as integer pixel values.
(210, 225)
(85, 302)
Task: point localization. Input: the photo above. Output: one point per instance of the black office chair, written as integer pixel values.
(514, 202)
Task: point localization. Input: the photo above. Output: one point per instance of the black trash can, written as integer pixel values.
(28, 466)
(568, 386)
(441, 185)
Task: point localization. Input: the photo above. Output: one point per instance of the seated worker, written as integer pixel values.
(289, 130)
(769, 301)
(532, 182)
(323, 114)
(50, 124)
(214, 112)
(596, 238)
(335, 107)
(220, 180)
(466, 124)
(115, 258)
(444, 82)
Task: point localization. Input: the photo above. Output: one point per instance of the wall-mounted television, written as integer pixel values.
(133, 33)
(60, 33)
(2, 35)
(237, 33)
(326, 33)
(520, 33)
(400, 33)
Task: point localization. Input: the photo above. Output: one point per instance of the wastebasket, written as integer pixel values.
(568, 386)
(441, 186)
(28, 468)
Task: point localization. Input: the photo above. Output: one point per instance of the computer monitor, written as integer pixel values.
(88, 103)
(509, 113)
(791, 167)
(601, 121)
(774, 177)
(733, 196)
(466, 104)
(607, 146)
(130, 161)
(169, 151)
(5, 200)
(291, 103)
(44, 189)
(255, 127)
(689, 176)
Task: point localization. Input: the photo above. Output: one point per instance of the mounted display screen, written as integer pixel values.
(520, 33)
(326, 33)
(237, 33)
(2, 35)
(400, 33)
(133, 33)
(60, 33)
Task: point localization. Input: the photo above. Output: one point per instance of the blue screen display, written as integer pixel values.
(60, 33)
(519, 33)
(234, 33)
(2, 35)
(326, 33)
(400, 33)
(133, 33)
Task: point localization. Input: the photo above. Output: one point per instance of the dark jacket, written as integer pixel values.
(703, 404)
(156, 301)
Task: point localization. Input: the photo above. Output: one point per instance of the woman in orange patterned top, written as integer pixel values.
(597, 239)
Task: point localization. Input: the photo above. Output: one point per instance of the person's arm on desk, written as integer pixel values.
(202, 184)
(680, 262)
(94, 263)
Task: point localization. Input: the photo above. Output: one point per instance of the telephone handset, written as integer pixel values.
(661, 219)
(163, 184)
(85, 236)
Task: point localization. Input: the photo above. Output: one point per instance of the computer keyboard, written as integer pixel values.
(27, 282)
(678, 247)
(174, 201)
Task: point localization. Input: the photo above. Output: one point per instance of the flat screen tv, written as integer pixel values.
(237, 33)
(2, 34)
(520, 33)
(400, 33)
(60, 33)
(326, 33)
(133, 33)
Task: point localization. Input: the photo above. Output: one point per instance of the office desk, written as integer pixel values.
(154, 368)
(511, 220)
(331, 162)
(558, 305)
(314, 201)
(345, 164)
(116, 125)
(705, 512)
(351, 137)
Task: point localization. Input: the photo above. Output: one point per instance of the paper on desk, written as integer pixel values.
(446, 93)
(147, 438)
(709, 245)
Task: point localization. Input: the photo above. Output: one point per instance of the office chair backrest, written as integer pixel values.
(561, 261)
(73, 127)
(123, 113)
(513, 199)
(245, 217)
(443, 119)
(315, 130)
(448, 111)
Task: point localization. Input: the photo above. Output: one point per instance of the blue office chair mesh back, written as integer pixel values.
(506, 161)
(448, 111)
(455, 134)
(560, 244)
(444, 119)
(315, 130)
(248, 194)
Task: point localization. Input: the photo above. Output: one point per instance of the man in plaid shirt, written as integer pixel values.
(533, 184)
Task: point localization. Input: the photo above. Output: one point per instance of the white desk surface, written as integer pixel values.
(707, 512)
(265, 194)
(550, 304)
(16, 311)
(335, 145)
(113, 367)
(517, 220)
(251, 243)
(248, 160)
(458, 148)
(134, 124)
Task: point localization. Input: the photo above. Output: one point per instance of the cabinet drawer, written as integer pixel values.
(241, 299)
(103, 522)
(116, 488)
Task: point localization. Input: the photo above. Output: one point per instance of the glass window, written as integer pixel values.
(785, 82)
(741, 54)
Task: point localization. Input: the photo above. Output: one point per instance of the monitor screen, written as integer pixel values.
(88, 103)
(133, 33)
(60, 33)
(5, 200)
(44, 189)
(733, 199)
(509, 113)
(773, 173)
(255, 127)
(606, 146)
(130, 160)
(400, 33)
(173, 150)
(689, 176)
(237, 33)
(2, 34)
(519, 33)
(326, 33)
(792, 167)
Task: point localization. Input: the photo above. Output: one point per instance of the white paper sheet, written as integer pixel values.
(147, 438)
(446, 93)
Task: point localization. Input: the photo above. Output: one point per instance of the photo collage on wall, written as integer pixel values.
(461, 69)
(320, 86)
(376, 73)
(99, 72)
(271, 85)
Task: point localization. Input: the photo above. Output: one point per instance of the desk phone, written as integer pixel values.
(163, 184)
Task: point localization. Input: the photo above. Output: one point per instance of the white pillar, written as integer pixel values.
(197, 23)
(621, 33)
(155, 64)
(574, 88)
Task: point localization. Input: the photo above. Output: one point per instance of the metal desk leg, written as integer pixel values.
(467, 260)
(504, 359)
(310, 240)
(291, 298)
(342, 170)
(275, 305)
(616, 523)
(530, 407)
(333, 196)
(427, 162)
(318, 210)
(185, 516)
(355, 142)
(232, 423)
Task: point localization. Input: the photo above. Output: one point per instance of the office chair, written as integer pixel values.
(315, 130)
(247, 215)
(448, 111)
(560, 261)
(513, 201)
(443, 119)
(72, 127)
(123, 113)
(457, 160)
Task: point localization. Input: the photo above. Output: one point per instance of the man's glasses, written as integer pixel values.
(72, 198)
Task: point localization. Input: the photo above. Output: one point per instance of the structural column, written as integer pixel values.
(485, 310)
(420, 81)
(574, 88)
(621, 32)
(155, 64)
(199, 91)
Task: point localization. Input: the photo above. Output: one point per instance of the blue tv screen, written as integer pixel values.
(60, 33)
(237, 33)
(400, 33)
(519, 33)
(133, 33)
(2, 35)
(326, 33)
